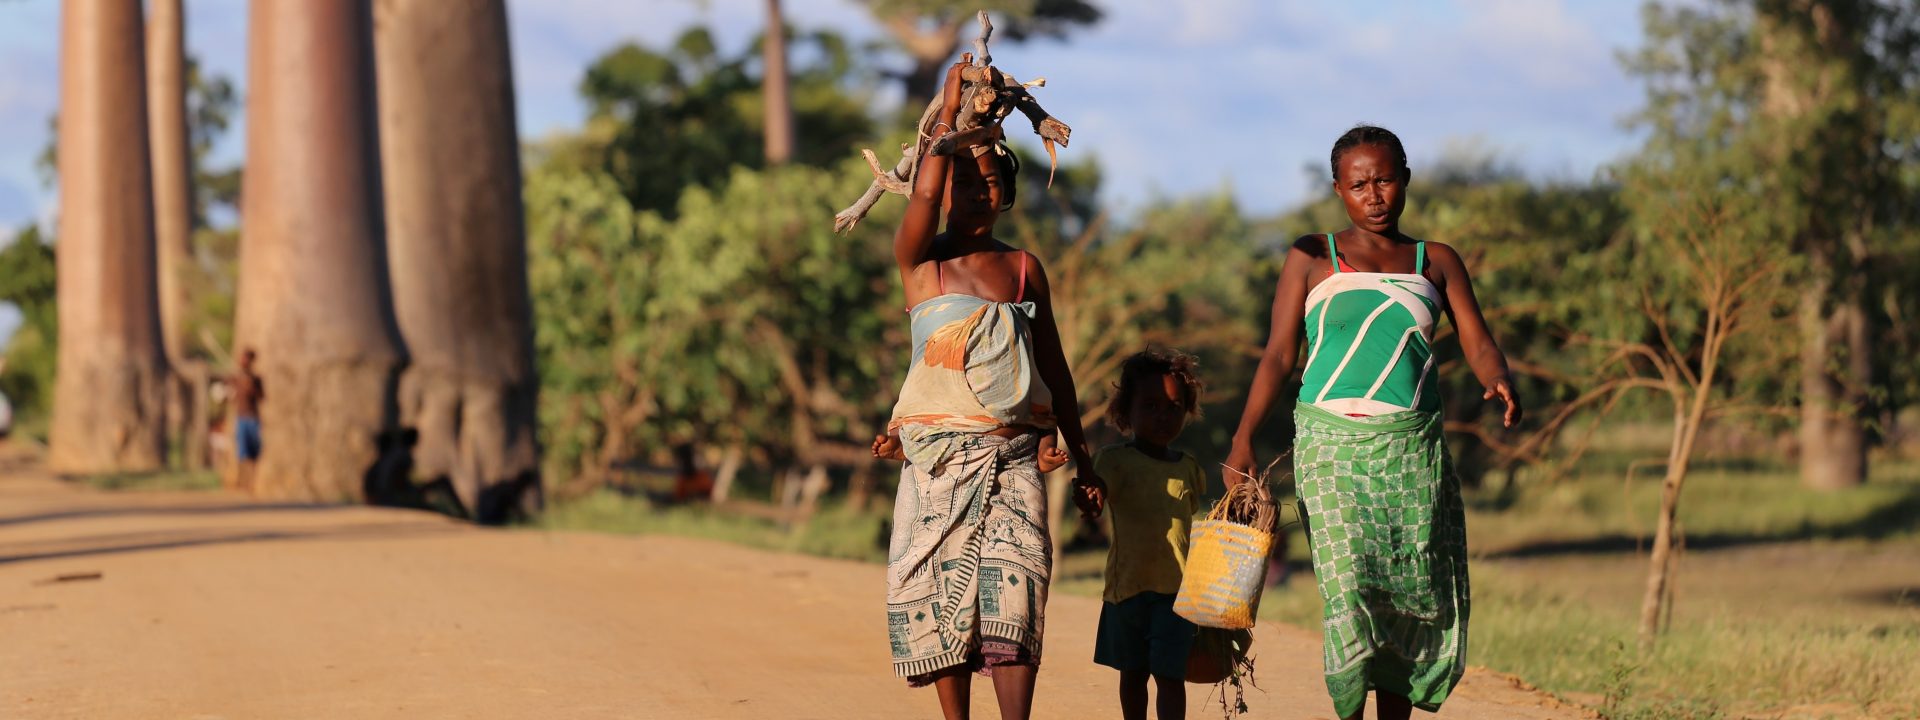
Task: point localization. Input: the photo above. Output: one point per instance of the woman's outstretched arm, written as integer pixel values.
(1276, 364)
(1476, 342)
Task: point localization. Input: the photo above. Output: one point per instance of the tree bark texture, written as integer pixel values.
(110, 393)
(172, 169)
(313, 293)
(1833, 442)
(1808, 59)
(930, 49)
(457, 249)
(777, 87)
(173, 214)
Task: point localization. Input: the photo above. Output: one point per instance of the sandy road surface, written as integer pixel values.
(206, 606)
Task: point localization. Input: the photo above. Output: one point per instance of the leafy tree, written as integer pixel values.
(930, 31)
(744, 321)
(1812, 103)
(27, 282)
(663, 119)
(1708, 311)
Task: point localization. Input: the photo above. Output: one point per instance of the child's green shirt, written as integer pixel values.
(1152, 503)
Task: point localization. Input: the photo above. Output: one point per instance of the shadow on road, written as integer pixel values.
(120, 543)
(182, 511)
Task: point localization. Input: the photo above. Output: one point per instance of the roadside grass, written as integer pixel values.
(836, 531)
(1789, 602)
(165, 480)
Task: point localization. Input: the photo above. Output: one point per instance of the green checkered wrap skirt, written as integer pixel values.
(1389, 540)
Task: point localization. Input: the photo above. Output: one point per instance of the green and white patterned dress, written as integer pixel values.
(1383, 507)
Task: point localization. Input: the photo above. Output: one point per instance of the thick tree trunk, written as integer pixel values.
(173, 211)
(110, 394)
(1801, 72)
(730, 463)
(1833, 442)
(930, 50)
(776, 86)
(172, 172)
(313, 293)
(457, 246)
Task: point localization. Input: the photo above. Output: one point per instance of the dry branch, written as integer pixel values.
(988, 97)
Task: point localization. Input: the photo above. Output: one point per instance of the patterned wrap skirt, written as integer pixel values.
(1388, 531)
(970, 559)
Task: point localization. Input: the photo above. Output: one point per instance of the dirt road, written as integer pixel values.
(199, 605)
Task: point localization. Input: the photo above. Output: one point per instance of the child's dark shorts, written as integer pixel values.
(1143, 633)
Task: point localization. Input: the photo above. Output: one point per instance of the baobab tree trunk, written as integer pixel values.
(109, 398)
(776, 87)
(1834, 362)
(313, 294)
(457, 248)
(173, 215)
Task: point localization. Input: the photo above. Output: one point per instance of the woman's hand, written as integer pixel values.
(1089, 494)
(1503, 389)
(950, 94)
(1239, 465)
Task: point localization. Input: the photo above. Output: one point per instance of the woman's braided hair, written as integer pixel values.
(1368, 135)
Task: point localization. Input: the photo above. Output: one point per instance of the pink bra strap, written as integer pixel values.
(940, 273)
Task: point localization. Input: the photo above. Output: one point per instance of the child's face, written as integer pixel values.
(1156, 415)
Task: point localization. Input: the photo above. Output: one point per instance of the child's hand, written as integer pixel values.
(887, 447)
(1090, 495)
(1051, 459)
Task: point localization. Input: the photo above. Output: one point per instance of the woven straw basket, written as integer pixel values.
(1226, 565)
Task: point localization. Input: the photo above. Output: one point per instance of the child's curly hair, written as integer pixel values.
(1143, 367)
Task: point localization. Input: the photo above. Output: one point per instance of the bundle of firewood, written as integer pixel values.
(987, 97)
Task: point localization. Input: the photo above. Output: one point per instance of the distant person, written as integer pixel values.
(248, 393)
(971, 557)
(1153, 492)
(1385, 521)
(689, 481)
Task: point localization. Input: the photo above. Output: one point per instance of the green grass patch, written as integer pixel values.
(1721, 503)
(1789, 602)
(168, 480)
(836, 531)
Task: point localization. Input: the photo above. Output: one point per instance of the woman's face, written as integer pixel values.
(974, 192)
(1373, 187)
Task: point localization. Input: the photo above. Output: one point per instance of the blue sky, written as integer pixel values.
(1173, 98)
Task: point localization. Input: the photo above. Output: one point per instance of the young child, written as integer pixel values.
(1154, 491)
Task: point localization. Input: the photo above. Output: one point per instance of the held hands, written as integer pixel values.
(1089, 495)
(1503, 389)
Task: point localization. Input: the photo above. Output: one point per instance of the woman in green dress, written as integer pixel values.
(1382, 505)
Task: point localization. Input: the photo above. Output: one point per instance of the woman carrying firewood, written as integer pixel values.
(1382, 505)
(970, 559)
